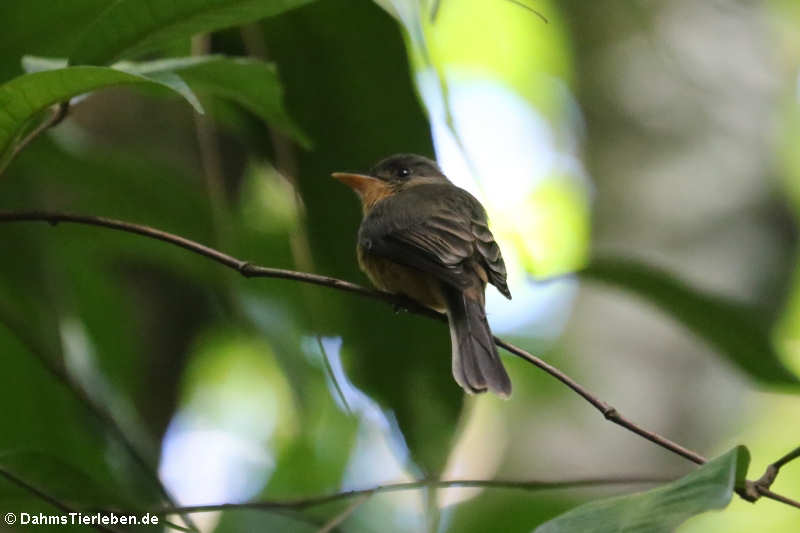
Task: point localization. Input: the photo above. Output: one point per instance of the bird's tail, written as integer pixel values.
(476, 363)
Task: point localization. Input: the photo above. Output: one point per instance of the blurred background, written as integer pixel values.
(654, 143)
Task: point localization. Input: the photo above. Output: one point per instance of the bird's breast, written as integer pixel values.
(400, 279)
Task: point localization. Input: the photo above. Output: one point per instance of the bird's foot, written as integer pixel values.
(403, 304)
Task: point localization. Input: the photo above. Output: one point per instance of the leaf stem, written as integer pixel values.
(55, 118)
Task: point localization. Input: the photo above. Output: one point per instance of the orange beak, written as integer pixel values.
(358, 182)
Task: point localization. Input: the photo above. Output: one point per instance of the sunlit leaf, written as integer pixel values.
(659, 510)
(130, 27)
(737, 331)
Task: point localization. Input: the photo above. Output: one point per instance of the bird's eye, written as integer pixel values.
(403, 172)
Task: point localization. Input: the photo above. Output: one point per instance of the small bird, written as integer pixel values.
(427, 239)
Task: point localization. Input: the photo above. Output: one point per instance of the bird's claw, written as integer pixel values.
(399, 308)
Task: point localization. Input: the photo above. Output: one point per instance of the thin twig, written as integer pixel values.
(753, 490)
(55, 118)
(58, 504)
(315, 501)
(249, 270)
(792, 455)
(609, 412)
(777, 497)
(529, 8)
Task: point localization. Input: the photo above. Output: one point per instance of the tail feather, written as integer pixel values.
(476, 363)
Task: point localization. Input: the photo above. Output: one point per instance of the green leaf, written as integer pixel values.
(130, 27)
(251, 83)
(659, 510)
(737, 331)
(24, 97)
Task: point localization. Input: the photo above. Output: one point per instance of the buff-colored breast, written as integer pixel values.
(399, 279)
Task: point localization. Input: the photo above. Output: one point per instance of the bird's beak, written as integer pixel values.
(358, 182)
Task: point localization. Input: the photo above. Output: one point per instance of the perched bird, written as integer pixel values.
(427, 239)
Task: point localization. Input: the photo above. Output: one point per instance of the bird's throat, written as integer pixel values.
(373, 192)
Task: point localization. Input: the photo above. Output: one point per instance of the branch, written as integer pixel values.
(315, 501)
(753, 490)
(609, 412)
(772, 470)
(243, 267)
(250, 271)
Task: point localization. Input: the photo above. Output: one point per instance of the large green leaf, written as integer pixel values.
(131, 27)
(251, 83)
(24, 97)
(737, 331)
(659, 510)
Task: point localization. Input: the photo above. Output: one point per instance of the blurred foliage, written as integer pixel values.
(734, 329)
(196, 364)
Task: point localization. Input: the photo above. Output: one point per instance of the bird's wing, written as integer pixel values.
(491, 257)
(442, 232)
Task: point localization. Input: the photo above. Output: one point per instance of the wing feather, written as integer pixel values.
(439, 229)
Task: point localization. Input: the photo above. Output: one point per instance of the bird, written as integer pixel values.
(424, 238)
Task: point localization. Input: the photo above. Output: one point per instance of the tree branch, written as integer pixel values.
(772, 470)
(753, 490)
(609, 412)
(315, 501)
(248, 270)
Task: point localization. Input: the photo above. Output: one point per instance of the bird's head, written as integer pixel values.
(391, 175)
